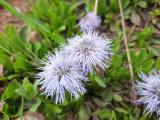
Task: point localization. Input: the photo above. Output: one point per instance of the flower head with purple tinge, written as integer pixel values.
(89, 22)
(90, 50)
(149, 91)
(61, 74)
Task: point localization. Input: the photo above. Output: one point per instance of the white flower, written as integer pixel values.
(89, 22)
(149, 91)
(90, 50)
(61, 74)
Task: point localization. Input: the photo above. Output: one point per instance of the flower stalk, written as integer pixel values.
(96, 6)
(133, 97)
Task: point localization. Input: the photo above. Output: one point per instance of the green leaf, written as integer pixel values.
(21, 92)
(14, 40)
(125, 3)
(21, 108)
(105, 113)
(121, 110)
(27, 85)
(12, 76)
(145, 33)
(114, 5)
(148, 65)
(135, 18)
(100, 82)
(120, 72)
(29, 88)
(99, 102)
(60, 29)
(20, 63)
(117, 98)
(5, 61)
(50, 108)
(102, 7)
(4, 43)
(35, 106)
(36, 47)
(157, 65)
(142, 56)
(5, 116)
(84, 114)
(113, 117)
(58, 38)
(116, 61)
(25, 33)
(108, 96)
(142, 4)
(10, 90)
(133, 56)
(117, 86)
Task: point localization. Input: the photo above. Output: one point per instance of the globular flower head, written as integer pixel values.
(149, 91)
(90, 50)
(61, 74)
(89, 22)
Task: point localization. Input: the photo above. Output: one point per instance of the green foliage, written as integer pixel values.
(27, 90)
(108, 92)
(99, 82)
(10, 90)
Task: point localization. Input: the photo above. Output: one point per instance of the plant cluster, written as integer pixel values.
(77, 65)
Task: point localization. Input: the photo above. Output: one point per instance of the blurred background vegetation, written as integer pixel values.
(32, 28)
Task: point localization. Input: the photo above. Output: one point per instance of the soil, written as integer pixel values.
(7, 18)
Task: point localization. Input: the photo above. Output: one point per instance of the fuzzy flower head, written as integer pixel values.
(90, 50)
(149, 91)
(89, 22)
(58, 75)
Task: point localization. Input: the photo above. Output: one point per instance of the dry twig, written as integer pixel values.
(133, 97)
(96, 6)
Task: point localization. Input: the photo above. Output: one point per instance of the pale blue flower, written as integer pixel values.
(61, 74)
(149, 91)
(90, 50)
(89, 22)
